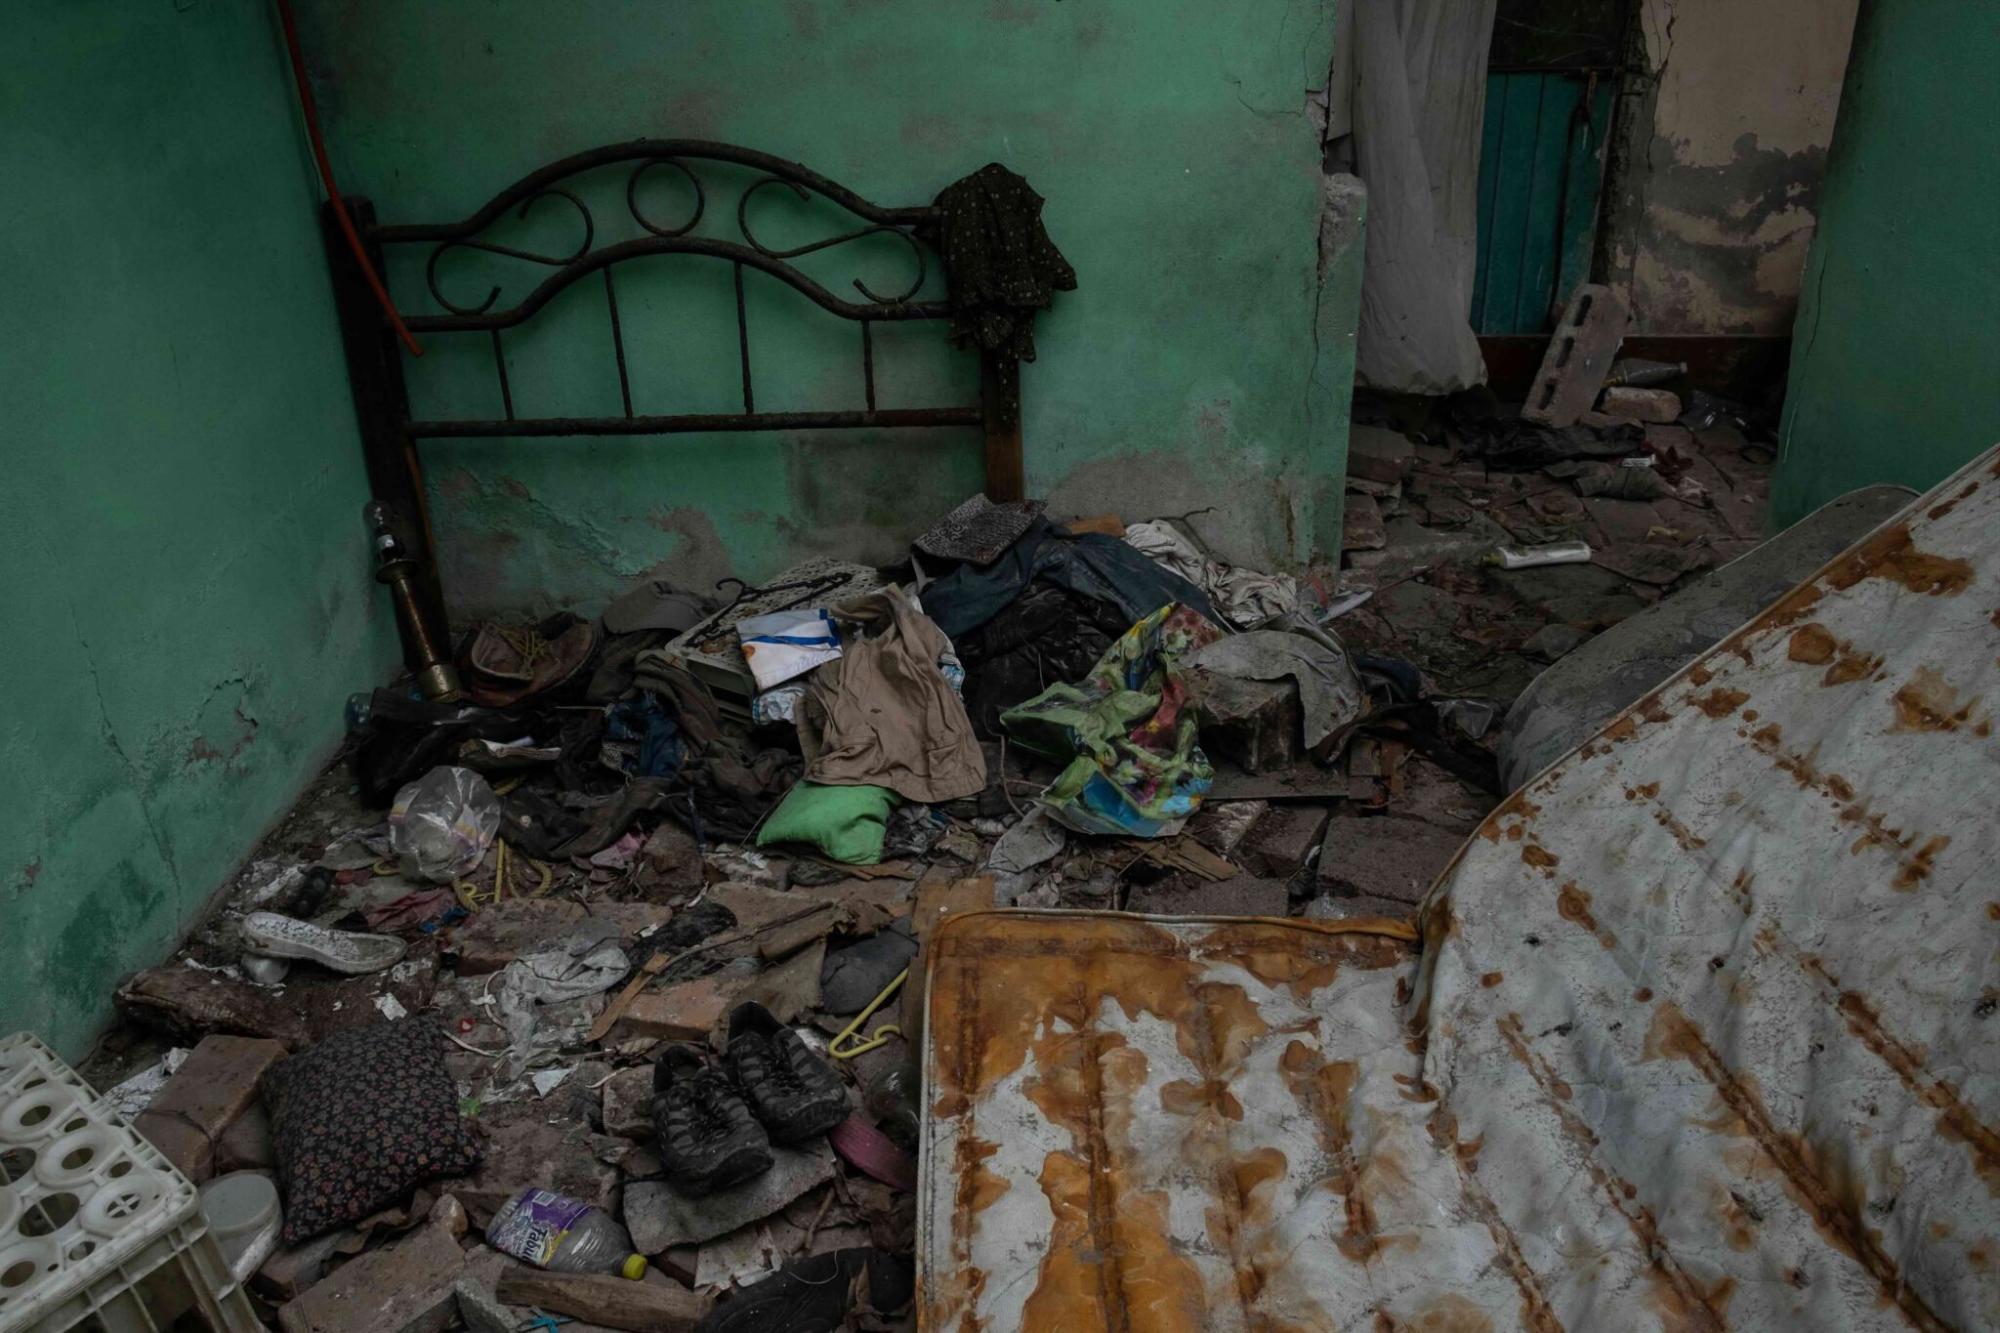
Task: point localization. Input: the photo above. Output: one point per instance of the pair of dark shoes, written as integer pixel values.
(716, 1124)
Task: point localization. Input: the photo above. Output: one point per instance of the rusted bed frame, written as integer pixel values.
(389, 432)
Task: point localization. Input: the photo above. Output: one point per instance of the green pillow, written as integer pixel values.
(845, 823)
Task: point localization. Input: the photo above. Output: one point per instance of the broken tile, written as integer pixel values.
(1221, 825)
(499, 934)
(628, 1103)
(658, 1215)
(1244, 895)
(1378, 454)
(1361, 524)
(789, 989)
(520, 1147)
(406, 1287)
(1384, 857)
(1280, 842)
(290, 1270)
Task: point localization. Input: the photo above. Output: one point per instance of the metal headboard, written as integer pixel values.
(375, 362)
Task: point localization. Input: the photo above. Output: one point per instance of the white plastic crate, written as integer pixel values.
(98, 1230)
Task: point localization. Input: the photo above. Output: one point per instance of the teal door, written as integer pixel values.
(1541, 167)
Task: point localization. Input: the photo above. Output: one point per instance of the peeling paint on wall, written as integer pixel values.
(189, 597)
(1716, 186)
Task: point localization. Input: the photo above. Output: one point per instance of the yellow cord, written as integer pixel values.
(472, 897)
(848, 1043)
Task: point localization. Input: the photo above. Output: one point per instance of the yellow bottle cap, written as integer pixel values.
(635, 1267)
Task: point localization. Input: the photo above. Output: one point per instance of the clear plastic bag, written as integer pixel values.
(442, 824)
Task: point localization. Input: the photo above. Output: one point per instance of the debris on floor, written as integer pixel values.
(606, 991)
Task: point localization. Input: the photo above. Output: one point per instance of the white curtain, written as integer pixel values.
(1417, 101)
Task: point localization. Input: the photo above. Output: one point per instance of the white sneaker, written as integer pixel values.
(346, 951)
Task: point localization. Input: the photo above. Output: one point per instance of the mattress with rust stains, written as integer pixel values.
(1701, 1033)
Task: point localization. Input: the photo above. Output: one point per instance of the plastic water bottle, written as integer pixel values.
(564, 1235)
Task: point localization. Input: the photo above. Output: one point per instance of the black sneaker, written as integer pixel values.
(794, 1092)
(816, 1295)
(708, 1138)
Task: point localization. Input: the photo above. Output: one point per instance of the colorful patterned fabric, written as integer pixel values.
(360, 1120)
(1136, 768)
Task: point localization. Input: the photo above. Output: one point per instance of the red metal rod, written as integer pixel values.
(311, 111)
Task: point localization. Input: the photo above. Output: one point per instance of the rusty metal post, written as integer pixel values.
(1000, 408)
(381, 409)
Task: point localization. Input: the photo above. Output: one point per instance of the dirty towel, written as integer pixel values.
(1243, 597)
(885, 714)
(1136, 768)
(1092, 563)
(847, 824)
(1330, 693)
(786, 644)
(1000, 266)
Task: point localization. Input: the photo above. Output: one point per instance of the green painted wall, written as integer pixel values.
(1170, 137)
(187, 594)
(1893, 358)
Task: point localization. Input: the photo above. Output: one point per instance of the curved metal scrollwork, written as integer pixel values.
(638, 214)
(643, 156)
(743, 225)
(551, 261)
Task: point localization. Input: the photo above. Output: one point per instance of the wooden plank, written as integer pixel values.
(656, 1306)
(1489, 177)
(1585, 176)
(1521, 96)
(1000, 405)
(1533, 312)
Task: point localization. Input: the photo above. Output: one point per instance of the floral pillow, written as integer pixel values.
(360, 1120)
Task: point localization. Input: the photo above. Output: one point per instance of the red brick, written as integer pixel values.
(216, 1085)
(683, 1012)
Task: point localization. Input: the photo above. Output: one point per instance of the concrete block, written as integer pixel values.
(1279, 843)
(407, 1287)
(290, 1271)
(1254, 724)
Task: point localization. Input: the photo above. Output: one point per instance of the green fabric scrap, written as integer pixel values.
(846, 824)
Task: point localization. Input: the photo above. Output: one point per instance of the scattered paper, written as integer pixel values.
(392, 1008)
(547, 1081)
(136, 1093)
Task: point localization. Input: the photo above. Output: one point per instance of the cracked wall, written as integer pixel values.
(1170, 138)
(1720, 156)
(188, 596)
(1892, 375)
